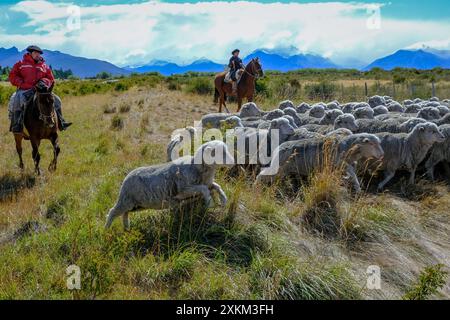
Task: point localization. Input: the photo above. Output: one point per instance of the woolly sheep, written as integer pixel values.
(413, 108)
(291, 121)
(380, 110)
(346, 121)
(361, 105)
(444, 120)
(330, 116)
(231, 123)
(212, 120)
(286, 104)
(167, 185)
(274, 114)
(376, 101)
(303, 107)
(406, 151)
(443, 110)
(440, 152)
(291, 112)
(250, 109)
(334, 105)
(348, 107)
(396, 107)
(317, 111)
(429, 113)
(388, 125)
(303, 157)
(363, 113)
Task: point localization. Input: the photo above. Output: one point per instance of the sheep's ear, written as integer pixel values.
(366, 140)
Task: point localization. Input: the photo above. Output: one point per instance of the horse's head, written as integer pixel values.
(257, 67)
(45, 103)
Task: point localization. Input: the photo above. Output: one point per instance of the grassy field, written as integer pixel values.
(266, 244)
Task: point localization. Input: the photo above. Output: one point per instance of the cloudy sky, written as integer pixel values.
(136, 32)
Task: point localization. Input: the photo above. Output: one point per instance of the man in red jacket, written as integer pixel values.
(27, 75)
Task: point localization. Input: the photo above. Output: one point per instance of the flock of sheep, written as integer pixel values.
(382, 134)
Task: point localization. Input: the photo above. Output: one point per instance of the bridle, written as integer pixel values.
(257, 72)
(42, 116)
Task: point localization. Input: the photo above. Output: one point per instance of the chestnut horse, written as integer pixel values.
(41, 122)
(245, 88)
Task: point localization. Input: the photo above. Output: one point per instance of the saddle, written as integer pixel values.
(238, 76)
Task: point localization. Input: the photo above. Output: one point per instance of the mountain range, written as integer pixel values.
(425, 58)
(81, 67)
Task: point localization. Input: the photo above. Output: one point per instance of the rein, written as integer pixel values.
(256, 75)
(42, 116)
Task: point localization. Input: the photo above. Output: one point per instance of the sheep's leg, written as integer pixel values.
(354, 178)
(446, 169)
(116, 211)
(388, 175)
(126, 221)
(222, 195)
(192, 191)
(412, 176)
(430, 169)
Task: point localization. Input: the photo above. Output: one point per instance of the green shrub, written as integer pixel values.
(201, 86)
(117, 123)
(431, 279)
(324, 90)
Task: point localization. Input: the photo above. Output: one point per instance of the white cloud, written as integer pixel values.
(137, 33)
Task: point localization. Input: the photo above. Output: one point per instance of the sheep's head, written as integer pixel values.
(428, 133)
(285, 104)
(291, 121)
(282, 124)
(380, 110)
(330, 116)
(303, 107)
(250, 109)
(215, 154)
(317, 111)
(231, 123)
(274, 114)
(429, 113)
(346, 121)
(368, 146)
(363, 113)
(410, 124)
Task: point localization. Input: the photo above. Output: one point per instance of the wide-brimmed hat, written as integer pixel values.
(235, 50)
(30, 49)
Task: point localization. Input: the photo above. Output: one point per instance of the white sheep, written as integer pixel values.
(167, 185)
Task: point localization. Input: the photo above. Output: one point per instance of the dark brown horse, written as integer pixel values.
(246, 86)
(40, 121)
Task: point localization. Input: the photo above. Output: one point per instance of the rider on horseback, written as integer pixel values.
(235, 65)
(28, 75)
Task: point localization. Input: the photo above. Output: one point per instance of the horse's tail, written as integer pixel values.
(216, 95)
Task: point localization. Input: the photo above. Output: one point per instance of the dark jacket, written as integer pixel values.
(235, 63)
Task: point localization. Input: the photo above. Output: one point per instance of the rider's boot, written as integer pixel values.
(62, 124)
(17, 122)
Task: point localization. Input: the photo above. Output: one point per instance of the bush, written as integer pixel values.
(324, 90)
(124, 108)
(117, 123)
(431, 279)
(201, 86)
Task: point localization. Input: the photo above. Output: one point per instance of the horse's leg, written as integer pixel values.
(36, 156)
(19, 138)
(239, 102)
(56, 150)
(221, 101)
